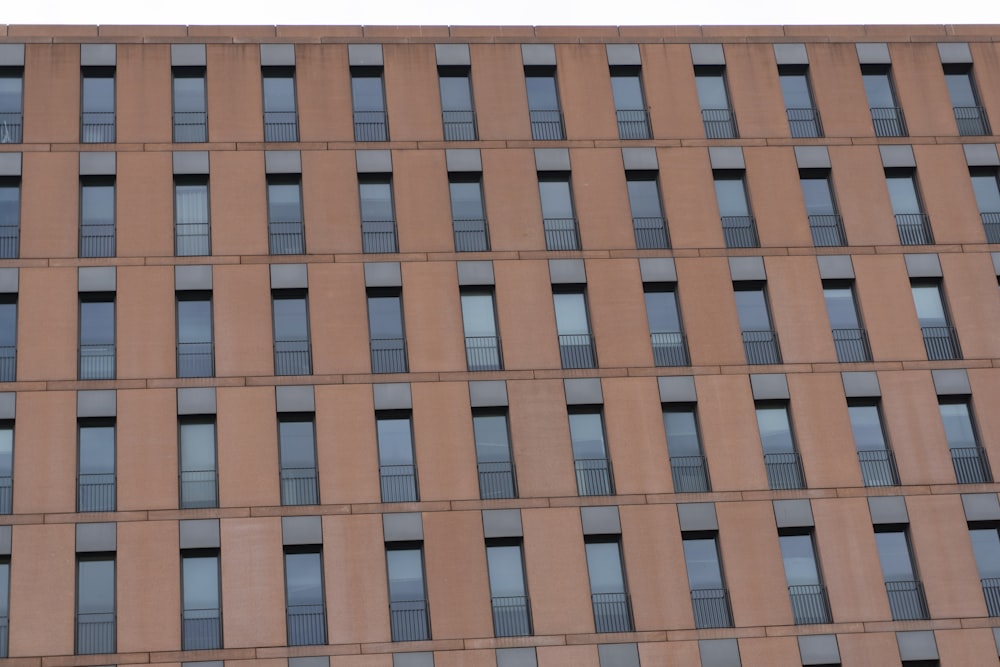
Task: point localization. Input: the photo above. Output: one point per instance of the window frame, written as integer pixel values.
(197, 420)
(192, 180)
(216, 555)
(89, 298)
(280, 72)
(468, 178)
(418, 547)
(98, 72)
(15, 135)
(297, 417)
(102, 181)
(294, 248)
(317, 550)
(295, 294)
(381, 247)
(801, 71)
(93, 423)
(375, 133)
(188, 72)
(495, 412)
(397, 415)
(95, 557)
(387, 293)
(200, 296)
(541, 72)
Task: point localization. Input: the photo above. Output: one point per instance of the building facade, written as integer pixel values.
(514, 347)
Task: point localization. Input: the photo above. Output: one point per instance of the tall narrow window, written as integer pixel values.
(97, 117)
(648, 222)
(96, 466)
(493, 455)
(286, 235)
(967, 454)
(457, 112)
(292, 349)
(386, 332)
(305, 601)
(6, 468)
(940, 337)
(97, 336)
(4, 605)
(849, 335)
(825, 222)
(190, 105)
(803, 116)
(713, 97)
(297, 457)
(558, 216)
(195, 349)
(198, 470)
(280, 116)
(906, 592)
(878, 465)
(760, 340)
(709, 597)
(511, 608)
(608, 586)
(687, 460)
(368, 95)
(666, 332)
(468, 214)
(984, 184)
(482, 342)
(590, 453)
(10, 216)
(630, 103)
(11, 104)
(544, 110)
(887, 115)
(8, 337)
(201, 600)
(986, 548)
(576, 344)
(805, 584)
(739, 229)
(397, 466)
(95, 604)
(781, 459)
(970, 115)
(191, 216)
(912, 223)
(378, 216)
(97, 216)
(408, 612)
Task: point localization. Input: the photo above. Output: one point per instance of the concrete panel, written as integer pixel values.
(973, 646)
(812, 157)
(143, 93)
(475, 273)
(190, 162)
(981, 506)
(556, 569)
(636, 441)
(373, 161)
(96, 279)
(199, 534)
(950, 382)
(515, 222)
(239, 213)
(923, 266)
(917, 645)
(452, 54)
(402, 527)
(586, 99)
(726, 157)
(517, 657)
(187, 55)
(277, 55)
(147, 449)
(500, 96)
(548, 471)
(583, 391)
(8, 400)
(43, 592)
(897, 157)
(410, 72)
(818, 650)
(247, 451)
(52, 97)
(600, 520)
(47, 424)
(423, 203)
(888, 510)
(196, 401)
(657, 270)
(12, 55)
(732, 451)
(192, 277)
(98, 403)
(92, 537)
(677, 389)
(791, 54)
(347, 457)
(504, 523)
(463, 160)
(457, 582)
(707, 54)
(41, 293)
(488, 393)
(768, 386)
(424, 659)
(795, 513)
(981, 155)
(432, 313)
(356, 577)
(146, 340)
(835, 267)
(696, 517)
(719, 653)
(642, 159)
(296, 530)
(241, 302)
(875, 53)
(235, 74)
(252, 579)
(98, 55)
(10, 164)
(282, 162)
(443, 444)
(289, 276)
(618, 655)
(538, 55)
(147, 614)
(365, 55)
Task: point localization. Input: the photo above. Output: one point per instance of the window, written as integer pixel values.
(984, 184)
(849, 336)
(805, 585)
(191, 217)
(95, 489)
(558, 216)
(4, 604)
(199, 474)
(493, 455)
(576, 344)
(878, 465)
(887, 116)
(468, 215)
(738, 227)
(912, 223)
(784, 467)
(297, 457)
(95, 604)
(201, 615)
(825, 222)
(397, 467)
(368, 95)
(97, 105)
(457, 111)
(378, 217)
(709, 597)
(511, 609)
(190, 105)
(408, 612)
(482, 343)
(10, 216)
(940, 338)
(803, 116)
(386, 332)
(6, 470)
(195, 350)
(305, 602)
(608, 589)
(292, 351)
(906, 593)
(630, 104)
(986, 548)
(713, 97)
(97, 216)
(544, 110)
(647, 212)
(8, 337)
(666, 332)
(11, 104)
(687, 461)
(590, 453)
(760, 340)
(286, 235)
(97, 336)
(967, 455)
(970, 116)
(280, 117)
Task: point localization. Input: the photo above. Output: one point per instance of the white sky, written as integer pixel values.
(499, 12)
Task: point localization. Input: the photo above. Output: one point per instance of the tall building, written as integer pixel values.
(499, 347)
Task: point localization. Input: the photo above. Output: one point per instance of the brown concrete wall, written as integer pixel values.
(241, 302)
(143, 90)
(339, 320)
(47, 430)
(47, 302)
(618, 313)
(458, 589)
(651, 537)
(346, 446)
(515, 222)
(147, 449)
(538, 415)
(913, 420)
(601, 199)
(670, 91)
(636, 441)
(882, 289)
(443, 441)
(412, 95)
(330, 201)
(239, 202)
(795, 294)
(522, 295)
(689, 198)
(233, 73)
(775, 195)
(52, 93)
(432, 317)
(729, 434)
(713, 333)
(823, 430)
(556, 568)
(43, 592)
(146, 313)
(357, 591)
(247, 447)
(754, 90)
(252, 578)
(323, 89)
(148, 588)
(423, 205)
(585, 91)
(969, 287)
(145, 215)
(838, 90)
(499, 95)
(50, 226)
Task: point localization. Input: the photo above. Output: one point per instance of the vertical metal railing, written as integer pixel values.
(991, 590)
(633, 124)
(690, 474)
(286, 237)
(378, 236)
(191, 238)
(306, 624)
(511, 616)
(991, 225)
(4, 635)
(577, 351)
(888, 122)
(8, 363)
(199, 488)
(711, 608)
(972, 121)
(10, 127)
(720, 124)
(878, 467)
(593, 477)
(809, 604)
(561, 234)
(6, 494)
(195, 360)
(547, 125)
(298, 486)
(784, 470)
(97, 362)
(914, 229)
(852, 345)
(459, 125)
(740, 231)
(97, 240)
(471, 235)
(95, 492)
(95, 633)
(650, 233)
(281, 126)
(804, 122)
(612, 612)
(292, 357)
(389, 355)
(482, 353)
(669, 348)
(97, 127)
(409, 620)
(201, 629)
(190, 127)
(907, 601)
(761, 347)
(10, 241)
(497, 480)
(827, 230)
(370, 126)
(399, 483)
(941, 343)
(971, 465)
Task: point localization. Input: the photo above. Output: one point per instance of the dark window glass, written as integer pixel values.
(894, 555)
(543, 104)
(967, 456)
(97, 336)
(849, 336)
(297, 449)
(805, 585)
(395, 457)
(903, 587)
(709, 598)
(665, 329)
(190, 104)
(386, 332)
(201, 626)
(467, 212)
(98, 105)
(286, 234)
(493, 455)
(687, 461)
(878, 466)
(191, 216)
(576, 345)
(984, 184)
(738, 227)
(10, 216)
(306, 608)
(456, 104)
(378, 218)
(803, 117)
(6, 473)
(195, 350)
(608, 589)
(97, 216)
(199, 477)
(784, 469)
(887, 116)
(368, 95)
(95, 604)
(630, 104)
(986, 548)
(647, 212)
(511, 611)
(280, 121)
(590, 453)
(408, 613)
(821, 208)
(751, 307)
(661, 310)
(840, 307)
(8, 337)
(4, 604)
(96, 466)
(11, 104)
(940, 338)
(970, 116)
(482, 343)
(911, 221)
(713, 98)
(558, 216)
(292, 352)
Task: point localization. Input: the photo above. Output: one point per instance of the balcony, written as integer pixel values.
(784, 470)
(198, 489)
(633, 124)
(389, 355)
(740, 231)
(577, 351)
(97, 362)
(298, 486)
(292, 357)
(201, 629)
(669, 348)
(97, 127)
(281, 126)
(497, 480)
(878, 467)
(809, 604)
(690, 474)
(971, 465)
(593, 477)
(972, 121)
(991, 225)
(191, 239)
(195, 360)
(4, 635)
(547, 125)
(6, 494)
(914, 229)
(10, 127)
(941, 343)
(482, 353)
(306, 624)
(561, 234)
(852, 345)
(711, 608)
(8, 363)
(804, 123)
(612, 612)
(511, 616)
(459, 125)
(190, 127)
(370, 126)
(720, 123)
(471, 235)
(761, 347)
(95, 633)
(399, 484)
(991, 590)
(888, 122)
(650, 233)
(10, 237)
(95, 492)
(409, 620)
(97, 240)
(907, 601)
(286, 237)
(378, 236)
(827, 230)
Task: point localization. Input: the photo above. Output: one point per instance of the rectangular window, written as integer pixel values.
(378, 215)
(479, 319)
(713, 97)
(644, 199)
(940, 337)
(784, 467)
(8, 337)
(11, 104)
(739, 229)
(970, 115)
(544, 110)
(368, 95)
(687, 460)
(195, 349)
(576, 344)
(97, 117)
(468, 214)
(95, 604)
(292, 349)
(280, 116)
(386, 332)
(97, 336)
(397, 466)
(803, 116)
(511, 608)
(191, 216)
(4, 604)
(201, 600)
(493, 455)
(6, 468)
(630, 103)
(825, 222)
(297, 457)
(760, 340)
(608, 587)
(805, 585)
(97, 216)
(590, 453)
(457, 111)
(709, 597)
(912, 223)
(96, 466)
(286, 234)
(198, 469)
(986, 548)
(967, 454)
(304, 598)
(906, 592)
(10, 216)
(558, 216)
(666, 332)
(190, 105)
(408, 612)
(887, 116)
(984, 184)
(878, 465)
(849, 335)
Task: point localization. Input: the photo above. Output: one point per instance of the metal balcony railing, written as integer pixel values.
(972, 121)
(941, 343)
(971, 465)
(459, 125)
(292, 357)
(95, 492)
(547, 125)
(991, 225)
(306, 624)
(907, 601)
(97, 127)
(378, 236)
(201, 629)
(878, 467)
(10, 237)
(577, 351)
(690, 474)
(195, 360)
(10, 127)
(991, 590)
(561, 234)
(761, 347)
(740, 231)
(370, 126)
(669, 348)
(483, 353)
(612, 612)
(711, 608)
(198, 489)
(97, 362)
(497, 480)
(511, 616)
(784, 470)
(8, 363)
(298, 486)
(720, 123)
(471, 235)
(409, 620)
(389, 355)
(4, 635)
(804, 122)
(286, 237)
(190, 127)
(827, 230)
(809, 604)
(593, 477)
(888, 122)
(399, 483)
(914, 229)
(633, 124)
(97, 240)
(281, 126)
(650, 233)
(95, 633)
(852, 345)
(6, 494)
(191, 239)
